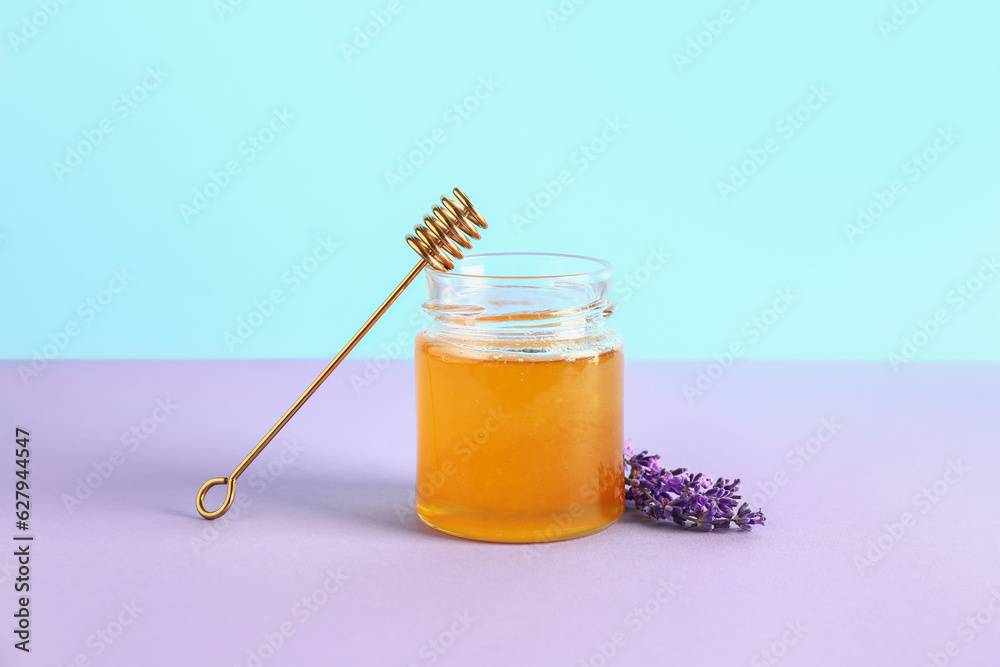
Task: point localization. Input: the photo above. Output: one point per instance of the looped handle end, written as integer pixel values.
(230, 495)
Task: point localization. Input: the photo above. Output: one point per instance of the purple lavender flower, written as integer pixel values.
(629, 451)
(746, 519)
(704, 519)
(690, 501)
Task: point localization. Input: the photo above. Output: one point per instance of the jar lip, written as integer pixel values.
(602, 268)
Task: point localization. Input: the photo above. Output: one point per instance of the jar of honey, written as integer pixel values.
(519, 387)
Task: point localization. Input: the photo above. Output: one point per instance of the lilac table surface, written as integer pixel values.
(882, 544)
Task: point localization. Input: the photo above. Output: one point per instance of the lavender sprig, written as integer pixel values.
(690, 501)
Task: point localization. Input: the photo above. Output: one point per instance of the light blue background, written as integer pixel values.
(559, 82)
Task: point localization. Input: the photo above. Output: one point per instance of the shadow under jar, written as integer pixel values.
(519, 385)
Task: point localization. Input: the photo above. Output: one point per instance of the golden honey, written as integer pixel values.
(519, 439)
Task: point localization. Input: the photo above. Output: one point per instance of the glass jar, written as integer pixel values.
(519, 385)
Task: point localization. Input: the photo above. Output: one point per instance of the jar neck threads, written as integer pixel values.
(520, 300)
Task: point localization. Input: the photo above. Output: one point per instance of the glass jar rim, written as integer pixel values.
(601, 271)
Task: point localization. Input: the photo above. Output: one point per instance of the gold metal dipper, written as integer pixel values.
(445, 233)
